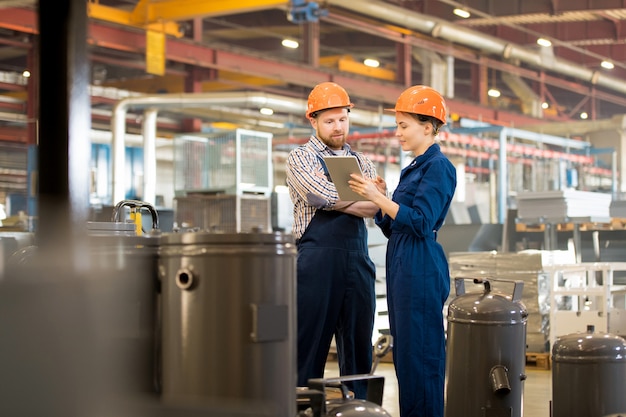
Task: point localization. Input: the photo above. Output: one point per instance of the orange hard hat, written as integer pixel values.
(423, 100)
(327, 95)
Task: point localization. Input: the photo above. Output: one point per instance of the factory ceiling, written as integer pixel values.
(191, 46)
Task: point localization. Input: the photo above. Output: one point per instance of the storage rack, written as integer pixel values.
(584, 294)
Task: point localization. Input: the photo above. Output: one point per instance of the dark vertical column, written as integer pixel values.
(64, 148)
(50, 366)
(311, 47)
(33, 91)
(193, 79)
(33, 129)
(404, 60)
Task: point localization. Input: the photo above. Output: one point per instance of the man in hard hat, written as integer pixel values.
(335, 274)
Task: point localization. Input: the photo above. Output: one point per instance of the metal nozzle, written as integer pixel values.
(499, 380)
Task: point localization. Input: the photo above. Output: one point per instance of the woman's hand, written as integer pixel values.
(381, 185)
(376, 191)
(369, 189)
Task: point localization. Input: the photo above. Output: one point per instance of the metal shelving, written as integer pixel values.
(585, 294)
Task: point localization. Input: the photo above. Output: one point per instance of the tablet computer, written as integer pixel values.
(340, 168)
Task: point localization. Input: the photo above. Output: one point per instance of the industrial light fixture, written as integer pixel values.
(290, 43)
(544, 42)
(493, 92)
(545, 105)
(271, 125)
(461, 13)
(607, 65)
(584, 115)
(371, 62)
(26, 74)
(266, 111)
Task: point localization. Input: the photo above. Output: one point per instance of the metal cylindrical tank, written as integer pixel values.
(124, 283)
(588, 375)
(229, 321)
(486, 351)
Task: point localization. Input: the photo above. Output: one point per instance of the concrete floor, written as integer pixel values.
(536, 396)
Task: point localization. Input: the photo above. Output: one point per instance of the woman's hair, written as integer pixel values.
(428, 119)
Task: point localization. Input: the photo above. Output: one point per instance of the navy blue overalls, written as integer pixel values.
(335, 296)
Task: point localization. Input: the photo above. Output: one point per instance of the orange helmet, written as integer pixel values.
(325, 96)
(424, 100)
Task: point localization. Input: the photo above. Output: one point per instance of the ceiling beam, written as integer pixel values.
(122, 17)
(148, 11)
(504, 8)
(299, 75)
(289, 73)
(19, 20)
(13, 134)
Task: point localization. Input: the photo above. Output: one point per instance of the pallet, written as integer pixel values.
(613, 224)
(538, 360)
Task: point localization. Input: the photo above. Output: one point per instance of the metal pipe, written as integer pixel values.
(499, 380)
(452, 32)
(149, 155)
(503, 185)
(186, 100)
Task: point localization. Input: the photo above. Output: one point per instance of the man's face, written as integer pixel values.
(332, 127)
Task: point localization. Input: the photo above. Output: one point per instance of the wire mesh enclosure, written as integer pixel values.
(222, 213)
(230, 162)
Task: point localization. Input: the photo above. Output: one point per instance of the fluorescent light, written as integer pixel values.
(461, 13)
(544, 42)
(544, 105)
(370, 62)
(266, 111)
(272, 125)
(290, 43)
(607, 65)
(493, 93)
(584, 115)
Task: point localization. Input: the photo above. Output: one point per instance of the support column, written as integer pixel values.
(32, 128)
(65, 120)
(403, 64)
(311, 49)
(193, 80)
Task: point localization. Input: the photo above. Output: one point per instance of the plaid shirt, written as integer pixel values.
(305, 178)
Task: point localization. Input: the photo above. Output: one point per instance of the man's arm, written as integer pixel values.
(357, 208)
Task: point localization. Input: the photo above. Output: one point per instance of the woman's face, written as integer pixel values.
(414, 136)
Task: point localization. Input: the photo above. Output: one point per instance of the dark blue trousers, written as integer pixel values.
(335, 296)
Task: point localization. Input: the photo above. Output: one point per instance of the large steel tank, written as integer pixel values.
(124, 287)
(588, 375)
(486, 351)
(228, 318)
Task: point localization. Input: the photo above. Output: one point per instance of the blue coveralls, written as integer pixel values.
(418, 281)
(335, 296)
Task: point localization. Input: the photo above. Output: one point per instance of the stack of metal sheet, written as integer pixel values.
(563, 204)
(525, 266)
(618, 208)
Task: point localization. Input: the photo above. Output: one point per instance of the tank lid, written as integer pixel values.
(488, 307)
(101, 240)
(585, 346)
(111, 228)
(204, 237)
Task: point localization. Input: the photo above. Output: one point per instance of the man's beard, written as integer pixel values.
(332, 142)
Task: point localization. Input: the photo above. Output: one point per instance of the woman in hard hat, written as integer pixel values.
(418, 281)
(335, 275)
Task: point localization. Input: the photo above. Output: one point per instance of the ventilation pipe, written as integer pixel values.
(435, 71)
(531, 105)
(149, 155)
(154, 103)
(439, 28)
